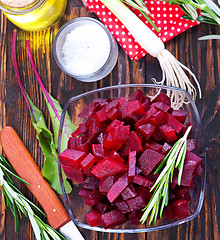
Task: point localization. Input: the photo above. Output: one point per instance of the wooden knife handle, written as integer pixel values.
(27, 169)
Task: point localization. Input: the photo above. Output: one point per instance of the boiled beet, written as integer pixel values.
(166, 148)
(174, 123)
(134, 217)
(114, 155)
(182, 193)
(113, 218)
(178, 208)
(73, 173)
(101, 116)
(131, 165)
(122, 205)
(93, 219)
(117, 188)
(146, 130)
(106, 183)
(148, 160)
(143, 181)
(108, 167)
(138, 95)
(161, 106)
(180, 115)
(162, 97)
(87, 162)
(114, 124)
(129, 192)
(168, 133)
(104, 206)
(190, 145)
(93, 197)
(157, 118)
(98, 151)
(153, 146)
(91, 182)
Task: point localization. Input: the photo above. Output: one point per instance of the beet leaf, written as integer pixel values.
(44, 135)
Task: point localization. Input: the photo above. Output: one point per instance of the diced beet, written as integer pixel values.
(182, 193)
(129, 192)
(174, 123)
(101, 116)
(114, 124)
(93, 219)
(106, 183)
(104, 206)
(178, 208)
(168, 133)
(84, 193)
(98, 151)
(134, 217)
(143, 181)
(123, 103)
(108, 167)
(141, 122)
(80, 130)
(138, 95)
(91, 182)
(131, 165)
(180, 115)
(145, 103)
(198, 171)
(122, 205)
(166, 148)
(133, 112)
(71, 143)
(146, 130)
(173, 184)
(93, 197)
(111, 105)
(157, 119)
(137, 170)
(190, 145)
(99, 138)
(72, 158)
(113, 218)
(153, 146)
(88, 171)
(87, 111)
(85, 147)
(87, 162)
(114, 155)
(114, 113)
(157, 135)
(95, 129)
(141, 200)
(162, 97)
(192, 161)
(73, 173)
(150, 113)
(132, 144)
(117, 137)
(117, 188)
(80, 140)
(149, 160)
(161, 106)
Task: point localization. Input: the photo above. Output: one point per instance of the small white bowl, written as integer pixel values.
(100, 71)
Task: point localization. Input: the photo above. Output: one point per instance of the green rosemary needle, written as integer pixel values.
(174, 159)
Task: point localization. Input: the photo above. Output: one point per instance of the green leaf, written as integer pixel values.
(45, 137)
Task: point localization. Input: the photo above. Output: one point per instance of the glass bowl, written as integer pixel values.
(93, 59)
(74, 203)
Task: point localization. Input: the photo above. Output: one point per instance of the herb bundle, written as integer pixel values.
(174, 159)
(18, 204)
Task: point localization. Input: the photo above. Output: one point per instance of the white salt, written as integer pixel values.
(86, 49)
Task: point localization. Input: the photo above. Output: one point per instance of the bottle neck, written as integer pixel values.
(13, 7)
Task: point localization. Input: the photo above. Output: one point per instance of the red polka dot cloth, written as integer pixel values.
(167, 18)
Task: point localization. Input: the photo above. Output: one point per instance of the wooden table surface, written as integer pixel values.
(203, 57)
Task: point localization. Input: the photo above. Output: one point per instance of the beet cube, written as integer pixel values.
(87, 162)
(114, 124)
(85, 147)
(98, 151)
(84, 193)
(180, 115)
(131, 165)
(182, 193)
(143, 181)
(95, 129)
(93, 197)
(72, 158)
(73, 173)
(93, 219)
(178, 208)
(123, 103)
(138, 95)
(146, 130)
(91, 182)
(104, 206)
(161, 106)
(114, 114)
(122, 205)
(166, 148)
(106, 183)
(190, 145)
(134, 217)
(168, 133)
(174, 123)
(129, 192)
(157, 119)
(108, 167)
(87, 111)
(132, 144)
(153, 146)
(117, 188)
(113, 218)
(157, 135)
(101, 116)
(114, 155)
(149, 160)
(82, 129)
(117, 137)
(71, 143)
(198, 171)
(145, 103)
(150, 113)
(141, 200)
(111, 105)
(162, 97)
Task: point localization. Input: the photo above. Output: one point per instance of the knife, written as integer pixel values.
(27, 169)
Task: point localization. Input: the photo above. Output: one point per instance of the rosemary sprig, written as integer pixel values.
(140, 5)
(174, 159)
(18, 204)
